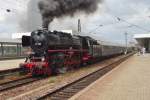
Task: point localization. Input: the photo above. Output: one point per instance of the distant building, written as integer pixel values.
(10, 48)
(143, 40)
(10, 41)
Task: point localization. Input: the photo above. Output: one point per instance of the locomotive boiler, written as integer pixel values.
(42, 40)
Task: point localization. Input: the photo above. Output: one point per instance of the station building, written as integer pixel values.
(11, 48)
(143, 41)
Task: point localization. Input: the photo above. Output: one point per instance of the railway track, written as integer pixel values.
(67, 91)
(9, 71)
(11, 78)
(17, 83)
(11, 75)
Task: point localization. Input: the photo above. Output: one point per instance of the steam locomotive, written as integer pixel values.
(57, 52)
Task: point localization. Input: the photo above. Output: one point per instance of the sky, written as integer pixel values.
(110, 22)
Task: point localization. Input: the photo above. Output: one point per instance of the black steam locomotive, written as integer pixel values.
(57, 52)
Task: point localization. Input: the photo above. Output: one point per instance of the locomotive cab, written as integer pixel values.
(87, 47)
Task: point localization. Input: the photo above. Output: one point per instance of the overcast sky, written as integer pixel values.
(112, 28)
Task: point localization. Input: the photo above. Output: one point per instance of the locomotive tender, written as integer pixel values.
(57, 52)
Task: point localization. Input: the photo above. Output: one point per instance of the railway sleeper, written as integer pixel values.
(66, 93)
(60, 97)
(87, 81)
(70, 90)
(80, 85)
(52, 98)
(57, 99)
(79, 88)
(63, 95)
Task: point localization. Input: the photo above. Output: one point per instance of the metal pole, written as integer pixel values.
(2, 47)
(126, 42)
(79, 26)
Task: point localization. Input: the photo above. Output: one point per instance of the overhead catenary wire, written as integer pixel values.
(123, 20)
(117, 17)
(102, 25)
(131, 24)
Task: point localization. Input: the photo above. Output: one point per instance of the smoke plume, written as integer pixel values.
(31, 19)
(51, 9)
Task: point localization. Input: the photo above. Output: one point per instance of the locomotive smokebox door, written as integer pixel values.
(39, 41)
(26, 41)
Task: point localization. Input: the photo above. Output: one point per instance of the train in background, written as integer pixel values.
(57, 52)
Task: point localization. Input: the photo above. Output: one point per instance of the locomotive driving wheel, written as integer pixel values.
(57, 63)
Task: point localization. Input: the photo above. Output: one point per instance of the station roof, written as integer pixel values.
(19, 35)
(2, 40)
(141, 36)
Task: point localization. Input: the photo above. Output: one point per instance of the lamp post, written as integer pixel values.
(126, 42)
(79, 26)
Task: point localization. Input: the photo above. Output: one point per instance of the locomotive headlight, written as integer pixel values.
(38, 44)
(43, 59)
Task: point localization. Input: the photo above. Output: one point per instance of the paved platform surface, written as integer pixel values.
(10, 64)
(129, 81)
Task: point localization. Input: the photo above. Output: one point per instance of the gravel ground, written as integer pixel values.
(32, 91)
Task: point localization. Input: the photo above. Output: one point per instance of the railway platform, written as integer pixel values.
(10, 64)
(129, 81)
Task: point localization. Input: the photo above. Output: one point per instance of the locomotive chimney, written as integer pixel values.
(46, 21)
(79, 26)
(45, 27)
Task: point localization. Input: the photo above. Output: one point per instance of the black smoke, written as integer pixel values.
(31, 20)
(51, 9)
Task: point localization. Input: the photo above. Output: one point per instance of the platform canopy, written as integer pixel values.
(141, 36)
(143, 40)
